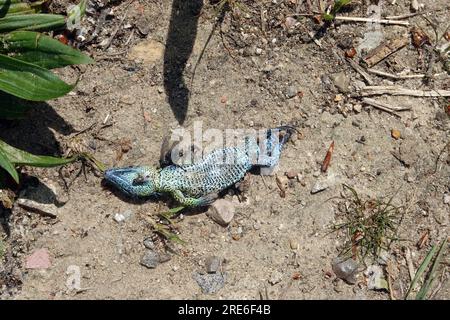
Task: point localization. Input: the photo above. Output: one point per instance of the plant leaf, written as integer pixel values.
(423, 266)
(19, 157)
(30, 82)
(41, 50)
(32, 22)
(8, 166)
(431, 275)
(12, 7)
(75, 14)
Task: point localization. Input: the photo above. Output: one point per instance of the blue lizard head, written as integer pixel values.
(134, 181)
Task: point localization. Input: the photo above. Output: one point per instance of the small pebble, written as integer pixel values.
(357, 108)
(291, 174)
(212, 264)
(345, 269)
(222, 211)
(275, 277)
(149, 244)
(293, 244)
(210, 283)
(446, 198)
(150, 259)
(291, 92)
(341, 81)
(396, 134)
(319, 186)
(121, 217)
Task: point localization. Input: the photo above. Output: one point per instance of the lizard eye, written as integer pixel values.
(140, 179)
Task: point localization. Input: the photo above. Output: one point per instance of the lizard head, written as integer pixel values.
(134, 181)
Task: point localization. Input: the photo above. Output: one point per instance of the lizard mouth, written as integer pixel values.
(122, 178)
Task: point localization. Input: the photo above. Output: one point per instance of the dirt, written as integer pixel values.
(136, 93)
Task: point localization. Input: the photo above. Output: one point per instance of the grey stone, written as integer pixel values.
(150, 259)
(446, 198)
(291, 92)
(345, 269)
(149, 244)
(210, 283)
(222, 212)
(122, 217)
(341, 81)
(319, 186)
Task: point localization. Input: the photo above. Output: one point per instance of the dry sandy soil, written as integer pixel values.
(260, 69)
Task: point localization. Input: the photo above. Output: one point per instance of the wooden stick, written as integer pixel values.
(380, 106)
(385, 105)
(399, 91)
(381, 21)
(403, 16)
(361, 71)
(395, 76)
(384, 50)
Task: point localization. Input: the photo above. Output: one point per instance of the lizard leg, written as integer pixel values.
(272, 146)
(193, 202)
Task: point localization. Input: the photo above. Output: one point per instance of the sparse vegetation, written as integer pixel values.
(337, 6)
(26, 58)
(371, 225)
(427, 284)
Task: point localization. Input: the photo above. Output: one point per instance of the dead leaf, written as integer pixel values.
(423, 239)
(419, 37)
(350, 53)
(281, 185)
(327, 160)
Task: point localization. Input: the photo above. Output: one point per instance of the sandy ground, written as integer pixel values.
(140, 89)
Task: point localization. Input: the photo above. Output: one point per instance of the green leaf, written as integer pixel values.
(6, 2)
(8, 8)
(41, 50)
(423, 266)
(8, 166)
(76, 13)
(30, 82)
(32, 22)
(19, 157)
(338, 5)
(421, 295)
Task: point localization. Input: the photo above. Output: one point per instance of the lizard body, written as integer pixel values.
(198, 184)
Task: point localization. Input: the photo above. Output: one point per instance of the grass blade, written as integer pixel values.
(421, 295)
(8, 166)
(422, 268)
